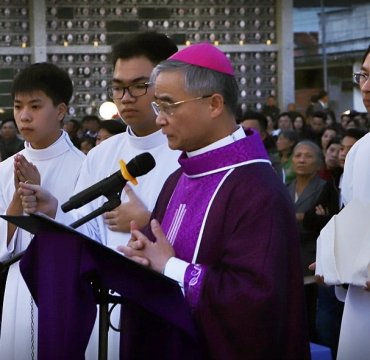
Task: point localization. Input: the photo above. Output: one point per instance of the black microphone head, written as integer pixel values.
(141, 164)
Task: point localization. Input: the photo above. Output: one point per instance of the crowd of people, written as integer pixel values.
(231, 211)
(312, 157)
(91, 131)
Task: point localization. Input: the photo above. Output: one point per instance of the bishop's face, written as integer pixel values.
(365, 88)
(188, 126)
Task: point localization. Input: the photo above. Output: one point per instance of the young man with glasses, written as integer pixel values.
(223, 226)
(132, 93)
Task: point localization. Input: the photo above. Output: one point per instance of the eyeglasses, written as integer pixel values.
(167, 108)
(135, 90)
(360, 78)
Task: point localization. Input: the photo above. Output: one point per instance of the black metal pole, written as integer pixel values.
(103, 323)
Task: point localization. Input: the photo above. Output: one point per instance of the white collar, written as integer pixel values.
(235, 136)
(146, 142)
(60, 146)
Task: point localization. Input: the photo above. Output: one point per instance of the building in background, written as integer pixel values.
(257, 36)
(337, 46)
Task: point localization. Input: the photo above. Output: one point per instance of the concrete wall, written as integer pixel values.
(347, 29)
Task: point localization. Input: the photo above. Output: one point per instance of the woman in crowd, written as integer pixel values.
(271, 124)
(285, 144)
(304, 191)
(327, 135)
(299, 124)
(108, 128)
(331, 119)
(330, 166)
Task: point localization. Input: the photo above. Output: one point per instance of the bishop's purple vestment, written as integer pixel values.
(230, 217)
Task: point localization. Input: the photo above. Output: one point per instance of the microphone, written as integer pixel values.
(113, 184)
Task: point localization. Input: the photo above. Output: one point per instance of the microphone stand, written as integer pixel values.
(111, 204)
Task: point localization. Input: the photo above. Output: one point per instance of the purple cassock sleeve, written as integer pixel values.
(58, 269)
(193, 282)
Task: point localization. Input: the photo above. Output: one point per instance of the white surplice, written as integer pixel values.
(354, 337)
(103, 160)
(59, 166)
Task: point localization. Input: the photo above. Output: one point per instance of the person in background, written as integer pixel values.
(351, 136)
(83, 128)
(255, 120)
(206, 239)
(327, 135)
(311, 108)
(109, 128)
(322, 101)
(331, 119)
(10, 143)
(346, 117)
(285, 144)
(284, 122)
(271, 124)
(344, 120)
(304, 191)
(299, 125)
(330, 166)
(353, 123)
(92, 124)
(317, 127)
(364, 122)
(41, 93)
(72, 127)
(87, 144)
(270, 108)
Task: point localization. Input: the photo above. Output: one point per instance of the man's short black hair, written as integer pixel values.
(113, 127)
(154, 46)
(8, 120)
(334, 140)
(355, 133)
(76, 124)
(285, 113)
(87, 118)
(45, 77)
(314, 98)
(320, 114)
(255, 115)
(322, 94)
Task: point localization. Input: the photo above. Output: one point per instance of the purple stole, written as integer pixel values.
(187, 211)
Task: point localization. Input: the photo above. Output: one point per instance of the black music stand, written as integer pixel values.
(59, 267)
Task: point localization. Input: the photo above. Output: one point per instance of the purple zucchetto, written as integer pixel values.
(204, 55)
